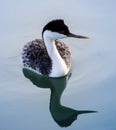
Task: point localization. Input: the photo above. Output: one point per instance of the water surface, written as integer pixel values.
(92, 84)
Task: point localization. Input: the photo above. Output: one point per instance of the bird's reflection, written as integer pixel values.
(64, 116)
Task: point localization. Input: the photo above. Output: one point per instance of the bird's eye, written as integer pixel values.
(62, 32)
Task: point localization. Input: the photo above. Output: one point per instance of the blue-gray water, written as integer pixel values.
(93, 81)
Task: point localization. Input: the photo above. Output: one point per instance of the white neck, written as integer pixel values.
(59, 67)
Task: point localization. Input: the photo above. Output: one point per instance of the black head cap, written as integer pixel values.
(57, 26)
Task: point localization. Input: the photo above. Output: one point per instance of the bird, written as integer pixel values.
(50, 56)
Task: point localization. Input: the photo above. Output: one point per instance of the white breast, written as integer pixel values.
(59, 67)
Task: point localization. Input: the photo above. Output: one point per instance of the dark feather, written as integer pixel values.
(35, 56)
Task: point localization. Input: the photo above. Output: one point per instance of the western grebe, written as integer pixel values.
(49, 56)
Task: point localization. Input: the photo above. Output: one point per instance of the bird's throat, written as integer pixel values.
(59, 67)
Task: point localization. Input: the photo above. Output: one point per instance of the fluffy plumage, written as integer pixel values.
(36, 57)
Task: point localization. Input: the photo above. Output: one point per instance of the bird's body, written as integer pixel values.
(35, 56)
(49, 56)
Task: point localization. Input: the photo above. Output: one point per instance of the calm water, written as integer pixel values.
(92, 85)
